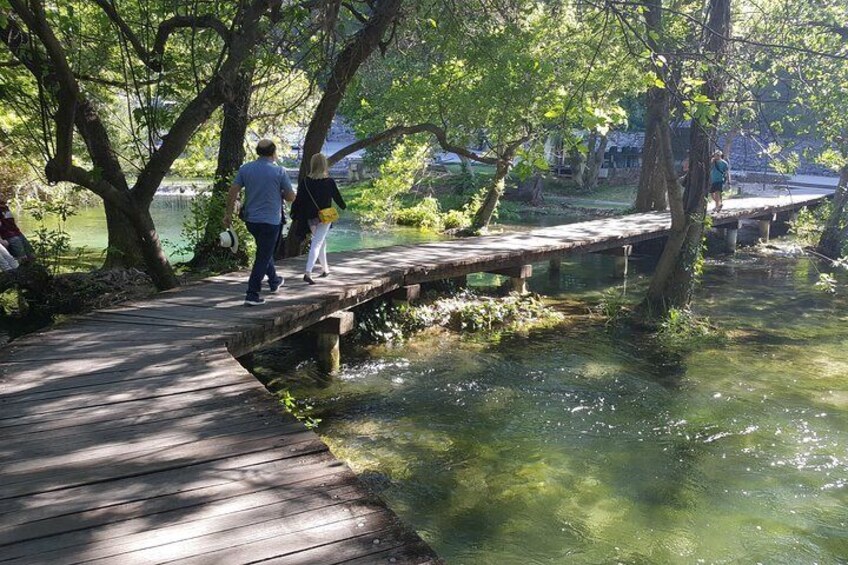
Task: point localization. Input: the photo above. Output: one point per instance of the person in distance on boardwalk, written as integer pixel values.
(719, 175)
(266, 185)
(313, 210)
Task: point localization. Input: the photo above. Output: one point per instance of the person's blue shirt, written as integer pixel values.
(264, 185)
(718, 171)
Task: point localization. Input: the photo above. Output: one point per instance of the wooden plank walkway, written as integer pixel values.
(132, 435)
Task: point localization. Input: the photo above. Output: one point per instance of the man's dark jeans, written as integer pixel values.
(266, 236)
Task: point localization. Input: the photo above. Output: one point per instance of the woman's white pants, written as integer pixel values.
(318, 247)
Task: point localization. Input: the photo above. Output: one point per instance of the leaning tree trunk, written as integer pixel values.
(344, 69)
(123, 250)
(835, 234)
(484, 215)
(653, 188)
(157, 264)
(231, 155)
(673, 283)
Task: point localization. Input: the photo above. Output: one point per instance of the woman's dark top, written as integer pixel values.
(323, 192)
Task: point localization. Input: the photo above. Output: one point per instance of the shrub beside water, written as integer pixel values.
(465, 311)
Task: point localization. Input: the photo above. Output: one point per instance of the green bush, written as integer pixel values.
(456, 219)
(464, 311)
(808, 225)
(683, 331)
(426, 215)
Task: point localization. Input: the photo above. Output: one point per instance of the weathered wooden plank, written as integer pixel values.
(274, 538)
(201, 451)
(179, 483)
(148, 407)
(142, 377)
(184, 522)
(281, 477)
(390, 545)
(168, 385)
(116, 446)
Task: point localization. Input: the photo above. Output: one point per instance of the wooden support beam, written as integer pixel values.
(522, 272)
(765, 230)
(329, 331)
(339, 323)
(622, 261)
(555, 266)
(519, 276)
(731, 235)
(459, 282)
(405, 294)
(619, 251)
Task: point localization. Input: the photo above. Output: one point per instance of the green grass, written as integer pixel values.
(625, 194)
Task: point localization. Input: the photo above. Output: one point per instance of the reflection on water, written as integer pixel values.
(580, 445)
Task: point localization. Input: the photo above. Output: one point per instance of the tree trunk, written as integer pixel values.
(653, 188)
(596, 160)
(833, 238)
(231, 155)
(155, 260)
(728, 143)
(123, 250)
(465, 165)
(484, 215)
(529, 191)
(578, 168)
(674, 280)
(344, 69)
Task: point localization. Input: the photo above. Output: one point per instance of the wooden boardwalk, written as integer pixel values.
(132, 435)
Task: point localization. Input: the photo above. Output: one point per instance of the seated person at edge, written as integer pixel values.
(16, 243)
(316, 192)
(7, 262)
(719, 175)
(266, 185)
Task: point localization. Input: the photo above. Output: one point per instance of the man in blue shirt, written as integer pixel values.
(266, 185)
(719, 175)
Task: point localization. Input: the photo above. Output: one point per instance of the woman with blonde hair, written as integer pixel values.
(313, 212)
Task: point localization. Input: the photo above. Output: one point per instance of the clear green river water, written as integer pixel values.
(87, 228)
(581, 444)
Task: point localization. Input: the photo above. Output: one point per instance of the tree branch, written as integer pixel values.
(153, 58)
(65, 87)
(200, 108)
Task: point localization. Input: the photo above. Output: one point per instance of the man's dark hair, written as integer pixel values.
(265, 148)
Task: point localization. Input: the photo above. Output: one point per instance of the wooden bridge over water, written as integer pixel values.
(132, 435)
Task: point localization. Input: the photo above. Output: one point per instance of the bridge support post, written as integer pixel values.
(459, 282)
(405, 294)
(731, 234)
(518, 275)
(328, 333)
(765, 228)
(622, 261)
(555, 267)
